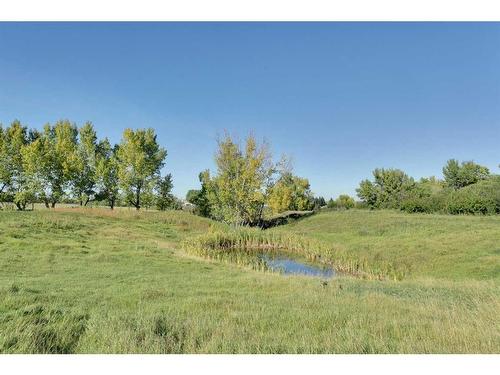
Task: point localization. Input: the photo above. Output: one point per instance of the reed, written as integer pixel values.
(239, 244)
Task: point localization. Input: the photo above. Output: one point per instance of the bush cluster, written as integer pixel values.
(470, 189)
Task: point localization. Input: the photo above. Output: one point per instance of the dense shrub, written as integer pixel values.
(435, 202)
(361, 205)
(480, 198)
(416, 204)
(345, 202)
(467, 189)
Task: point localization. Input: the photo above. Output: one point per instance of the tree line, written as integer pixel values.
(63, 162)
(466, 188)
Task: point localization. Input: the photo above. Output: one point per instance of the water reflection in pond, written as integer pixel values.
(293, 266)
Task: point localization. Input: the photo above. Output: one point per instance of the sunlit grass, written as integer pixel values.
(96, 281)
(441, 246)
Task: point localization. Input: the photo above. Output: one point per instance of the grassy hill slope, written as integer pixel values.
(95, 281)
(440, 246)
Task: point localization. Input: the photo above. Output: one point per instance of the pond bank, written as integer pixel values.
(240, 245)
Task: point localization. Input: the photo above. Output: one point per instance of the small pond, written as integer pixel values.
(295, 266)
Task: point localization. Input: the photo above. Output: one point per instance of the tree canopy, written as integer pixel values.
(388, 188)
(458, 175)
(64, 161)
(140, 159)
(246, 181)
(290, 193)
(237, 192)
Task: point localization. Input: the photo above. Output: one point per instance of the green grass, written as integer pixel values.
(94, 281)
(439, 246)
(239, 245)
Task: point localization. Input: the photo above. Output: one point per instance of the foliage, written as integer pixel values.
(50, 161)
(84, 175)
(389, 188)
(290, 193)
(237, 193)
(67, 164)
(165, 198)
(140, 159)
(200, 197)
(248, 183)
(429, 195)
(13, 185)
(345, 202)
(367, 192)
(468, 188)
(318, 202)
(458, 175)
(107, 179)
(332, 203)
(480, 198)
(192, 195)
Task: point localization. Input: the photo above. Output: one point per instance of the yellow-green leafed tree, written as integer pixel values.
(12, 177)
(237, 193)
(49, 161)
(84, 167)
(290, 193)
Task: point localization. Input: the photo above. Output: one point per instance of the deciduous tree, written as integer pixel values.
(140, 159)
(290, 193)
(165, 198)
(107, 181)
(389, 188)
(467, 173)
(13, 184)
(50, 160)
(345, 202)
(84, 171)
(200, 197)
(237, 192)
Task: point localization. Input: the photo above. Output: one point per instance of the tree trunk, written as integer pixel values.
(112, 203)
(46, 203)
(138, 199)
(53, 204)
(134, 204)
(87, 201)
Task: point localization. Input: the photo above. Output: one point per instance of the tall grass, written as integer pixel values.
(94, 281)
(236, 244)
(442, 246)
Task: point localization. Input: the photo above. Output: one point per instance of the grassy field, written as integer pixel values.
(96, 281)
(440, 246)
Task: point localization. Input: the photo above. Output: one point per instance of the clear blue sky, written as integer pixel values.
(340, 98)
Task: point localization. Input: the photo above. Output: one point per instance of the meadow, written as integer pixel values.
(101, 281)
